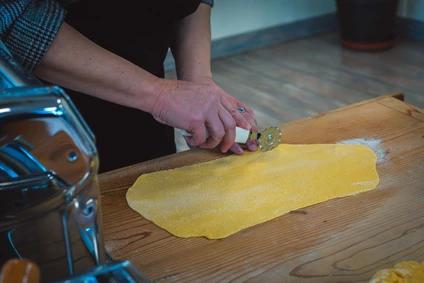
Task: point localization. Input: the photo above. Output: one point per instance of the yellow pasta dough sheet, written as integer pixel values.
(218, 198)
(403, 272)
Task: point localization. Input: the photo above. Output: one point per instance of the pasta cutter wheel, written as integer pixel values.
(269, 138)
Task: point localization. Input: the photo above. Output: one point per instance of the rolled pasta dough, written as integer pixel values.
(218, 198)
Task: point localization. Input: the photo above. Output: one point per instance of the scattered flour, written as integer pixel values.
(110, 246)
(374, 144)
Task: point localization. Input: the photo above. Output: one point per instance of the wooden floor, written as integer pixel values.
(301, 78)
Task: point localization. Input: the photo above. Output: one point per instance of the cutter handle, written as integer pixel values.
(242, 135)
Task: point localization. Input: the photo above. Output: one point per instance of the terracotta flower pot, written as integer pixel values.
(367, 24)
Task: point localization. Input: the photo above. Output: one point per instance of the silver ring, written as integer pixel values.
(241, 110)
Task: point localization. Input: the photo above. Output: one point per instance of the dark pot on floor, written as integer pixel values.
(367, 24)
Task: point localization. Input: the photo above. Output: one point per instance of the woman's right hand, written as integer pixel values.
(196, 107)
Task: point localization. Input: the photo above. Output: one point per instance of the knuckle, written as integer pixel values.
(197, 117)
(220, 133)
(234, 112)
(214, 99)
(231, 125)
(209, 102)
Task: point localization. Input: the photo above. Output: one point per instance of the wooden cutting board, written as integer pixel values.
(341, 240)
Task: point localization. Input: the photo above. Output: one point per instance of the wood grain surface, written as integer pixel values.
(341, 240)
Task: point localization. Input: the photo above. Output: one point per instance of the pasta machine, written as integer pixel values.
(50, 209)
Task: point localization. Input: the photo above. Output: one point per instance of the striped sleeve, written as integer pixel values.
(28, 27)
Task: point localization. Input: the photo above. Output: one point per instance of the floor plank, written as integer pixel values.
(304, 77)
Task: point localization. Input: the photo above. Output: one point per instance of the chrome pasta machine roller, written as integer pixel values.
(50, 210)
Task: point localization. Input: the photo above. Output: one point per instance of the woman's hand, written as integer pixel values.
(248, 114)
(197, 106)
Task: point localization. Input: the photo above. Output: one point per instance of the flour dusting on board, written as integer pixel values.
(374, 144)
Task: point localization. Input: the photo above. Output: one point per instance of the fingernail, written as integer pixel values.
(253, 147)
(224, 149)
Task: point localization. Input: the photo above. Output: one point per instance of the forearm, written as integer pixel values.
(74, 62)
(191, 48)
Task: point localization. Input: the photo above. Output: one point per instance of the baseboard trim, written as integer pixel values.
(266, 37)
(410, 28)
(286, 32)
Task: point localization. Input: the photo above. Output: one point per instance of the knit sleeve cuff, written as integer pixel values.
(32, 33)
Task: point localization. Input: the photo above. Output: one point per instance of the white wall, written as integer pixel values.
(232, 17)
(413, 9)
